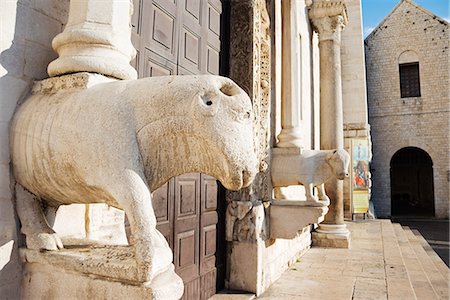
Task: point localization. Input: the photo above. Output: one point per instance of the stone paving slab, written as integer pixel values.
(381, 264)
(437, 281)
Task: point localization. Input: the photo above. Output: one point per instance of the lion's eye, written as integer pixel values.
(247, 115)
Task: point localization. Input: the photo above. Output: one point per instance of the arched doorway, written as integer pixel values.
(412, 189)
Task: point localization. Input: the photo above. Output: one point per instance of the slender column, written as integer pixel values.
(329, 19)
(291, 135)
(96, 39)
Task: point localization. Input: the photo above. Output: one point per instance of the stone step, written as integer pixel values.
(398, 285)
(438, 282)
(233, 295)
(422, 287)
(437, 261)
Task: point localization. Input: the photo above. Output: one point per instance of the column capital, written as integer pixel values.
(329, 18)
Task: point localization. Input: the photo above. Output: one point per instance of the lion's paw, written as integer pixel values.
(45, 241)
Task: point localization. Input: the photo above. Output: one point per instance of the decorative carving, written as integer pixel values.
(236, 210)
(329, 28)
(311, 168)
(328, 18)
(245, 221)
(250, 68)
(250, 61)
(116, 141)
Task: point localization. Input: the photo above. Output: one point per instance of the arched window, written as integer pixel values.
(408, 63)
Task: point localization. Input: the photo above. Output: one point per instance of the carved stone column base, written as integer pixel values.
(97, 39)
(331, 236)
(95, 61)
(290, 138)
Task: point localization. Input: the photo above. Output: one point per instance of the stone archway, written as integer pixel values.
(412, 186)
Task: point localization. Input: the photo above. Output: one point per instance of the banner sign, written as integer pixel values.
(360, 176)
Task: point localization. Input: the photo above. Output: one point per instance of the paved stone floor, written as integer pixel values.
(436, 232)
(356, 273)
(384, 262)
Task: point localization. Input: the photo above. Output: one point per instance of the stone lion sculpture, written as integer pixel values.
(311, 169)
(116, 142)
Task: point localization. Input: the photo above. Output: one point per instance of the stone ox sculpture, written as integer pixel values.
(311, 168)
(116, 142)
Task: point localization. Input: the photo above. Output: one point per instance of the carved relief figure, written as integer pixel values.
(312, 169)
(245, 221)
(116, 142)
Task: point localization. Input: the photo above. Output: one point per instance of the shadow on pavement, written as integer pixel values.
(436, 232)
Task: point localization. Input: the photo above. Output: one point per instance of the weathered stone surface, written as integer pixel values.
(114, 141)
(332, 236)
(311, 168)
(329, 19)
(97, 39)
(42, 279)
(288, 217)
(21, 48)
(420, 122)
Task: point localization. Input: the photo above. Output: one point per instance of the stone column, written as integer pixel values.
(329, 19)
(96, 39)
(291, 135)
(250, 68)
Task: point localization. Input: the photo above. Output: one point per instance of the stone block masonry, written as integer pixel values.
(421, 122)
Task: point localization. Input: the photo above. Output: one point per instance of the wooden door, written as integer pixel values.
(182, 37)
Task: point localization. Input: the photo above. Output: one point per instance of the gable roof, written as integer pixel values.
(411, 2)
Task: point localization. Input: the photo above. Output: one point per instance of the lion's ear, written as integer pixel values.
(330, 155)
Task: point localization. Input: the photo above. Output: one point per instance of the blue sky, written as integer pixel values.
(374, 11)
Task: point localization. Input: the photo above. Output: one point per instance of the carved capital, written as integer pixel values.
(328, 18)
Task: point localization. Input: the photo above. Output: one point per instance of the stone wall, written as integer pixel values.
(353, 86)
(28, 27)
(397, 122)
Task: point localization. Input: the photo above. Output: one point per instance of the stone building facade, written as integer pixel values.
(409, 130)
(260, 237)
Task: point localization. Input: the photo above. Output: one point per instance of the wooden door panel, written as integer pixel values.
(212, 61)
(194, 8)
(192, 290)
(186, 227)
(155, 65)
(182, 37)
(191, 39)
(164, 210)
(209, 193)
(160, 20)
(186, 198)
(183, 71)
(208, 238)
(214, 11)
(135, 17)
(208, 285)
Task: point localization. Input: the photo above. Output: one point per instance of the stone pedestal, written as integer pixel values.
(329, 19)
(331, 235)
(288, 217)
(90, 271)
(97, 39)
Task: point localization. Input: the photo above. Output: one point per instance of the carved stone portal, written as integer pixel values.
(116, 141)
